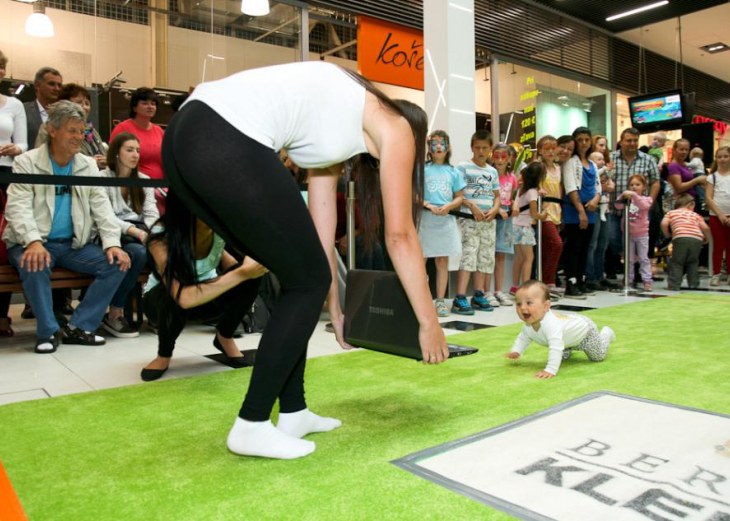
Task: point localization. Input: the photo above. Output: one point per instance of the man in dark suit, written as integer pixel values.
(47, 85)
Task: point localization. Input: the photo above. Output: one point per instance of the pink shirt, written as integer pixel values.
(638, 215)
(507, 185)
(150, 145)
(525, 216)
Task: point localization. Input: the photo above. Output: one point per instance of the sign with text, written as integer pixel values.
(390, 53)
(602, 456)
(527, 121)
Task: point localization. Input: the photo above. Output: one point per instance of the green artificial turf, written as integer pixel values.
(157, 451)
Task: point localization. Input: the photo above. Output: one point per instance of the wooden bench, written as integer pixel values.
(63, 278)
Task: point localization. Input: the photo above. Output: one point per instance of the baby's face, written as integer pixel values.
(658, 141)
(597, 158)
(531, 305)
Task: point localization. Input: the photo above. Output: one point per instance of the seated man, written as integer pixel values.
(51, 226)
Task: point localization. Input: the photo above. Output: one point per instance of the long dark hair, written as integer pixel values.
(178, 234)
(136, 193)
(368, 168)
(532, 175)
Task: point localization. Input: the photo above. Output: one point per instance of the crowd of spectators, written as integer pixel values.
(103, 231)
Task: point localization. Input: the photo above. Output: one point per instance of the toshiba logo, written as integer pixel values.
(382, 311)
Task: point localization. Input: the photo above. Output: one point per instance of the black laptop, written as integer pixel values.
(378, 316)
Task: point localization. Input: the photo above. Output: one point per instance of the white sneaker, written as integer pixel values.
(715, 280)
(503, 299)
(493, 301)
(609, 334)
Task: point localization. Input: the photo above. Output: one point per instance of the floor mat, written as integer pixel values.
(601, 456)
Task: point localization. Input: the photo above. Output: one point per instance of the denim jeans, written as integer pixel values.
(37, 285)
(597, 251)
(615, 237)
(138, 258)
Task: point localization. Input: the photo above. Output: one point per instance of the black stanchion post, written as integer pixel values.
(627, 289)
(539, 241)
(351, 225)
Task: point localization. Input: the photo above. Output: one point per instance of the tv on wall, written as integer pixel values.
(659, 111)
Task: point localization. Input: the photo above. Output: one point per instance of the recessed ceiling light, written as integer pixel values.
(637, 10)
(716, 47)
(563, 97)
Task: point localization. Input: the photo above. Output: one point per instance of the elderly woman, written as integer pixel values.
(40, 236)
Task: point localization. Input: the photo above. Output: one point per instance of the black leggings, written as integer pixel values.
(229, 308)
(575, 252)
(242, 190)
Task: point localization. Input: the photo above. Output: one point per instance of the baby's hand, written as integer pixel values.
(512, 355)
(544, 375)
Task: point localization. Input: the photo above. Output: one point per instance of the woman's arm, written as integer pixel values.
(710, 200)
(197, 295)
(396, 150)
(675, 179)
(323, 208)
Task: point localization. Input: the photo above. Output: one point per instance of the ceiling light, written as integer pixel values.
(255, 7)
(38, 24)
(566, 104)
(563, 97)
(637, 10)
(587, 109)
(715, 47)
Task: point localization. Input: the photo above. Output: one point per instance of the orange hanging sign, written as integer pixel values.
(390, 53)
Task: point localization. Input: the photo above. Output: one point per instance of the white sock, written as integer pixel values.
(608, 334)
(301, 423)
(263, 439)
(97, 338)
(45, 346)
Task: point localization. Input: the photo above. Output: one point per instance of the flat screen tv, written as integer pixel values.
(659, 111)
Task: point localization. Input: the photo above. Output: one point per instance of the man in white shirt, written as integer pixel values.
(47, 85)
(561, 333)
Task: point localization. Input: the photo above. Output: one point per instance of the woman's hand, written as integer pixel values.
(583, 225)
(512, 355)
(10, 150)
(338, 324)
(250, 269)
(701, 180)
(433, 343)
(100, 161)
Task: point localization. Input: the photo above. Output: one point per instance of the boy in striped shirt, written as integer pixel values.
(688, 232)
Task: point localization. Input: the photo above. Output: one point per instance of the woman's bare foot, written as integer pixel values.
(229, 346)
(159, 364)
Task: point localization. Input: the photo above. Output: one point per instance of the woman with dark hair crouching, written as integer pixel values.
(186, 257)
(135, 210)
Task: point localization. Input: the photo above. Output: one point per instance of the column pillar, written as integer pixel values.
(448, 29)
(159, 26)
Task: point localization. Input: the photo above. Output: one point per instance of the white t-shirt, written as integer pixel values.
(721, 193)
(481, 184)
(13, 127)
(314, 110)
(557, 331)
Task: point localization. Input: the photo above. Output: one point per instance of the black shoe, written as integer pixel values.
(572, 291)
(235, 361)
(609, 285)
(27, 313)
(81, 338)
(150, 375)
(585, 289)
(54, 341)
(594, 286)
